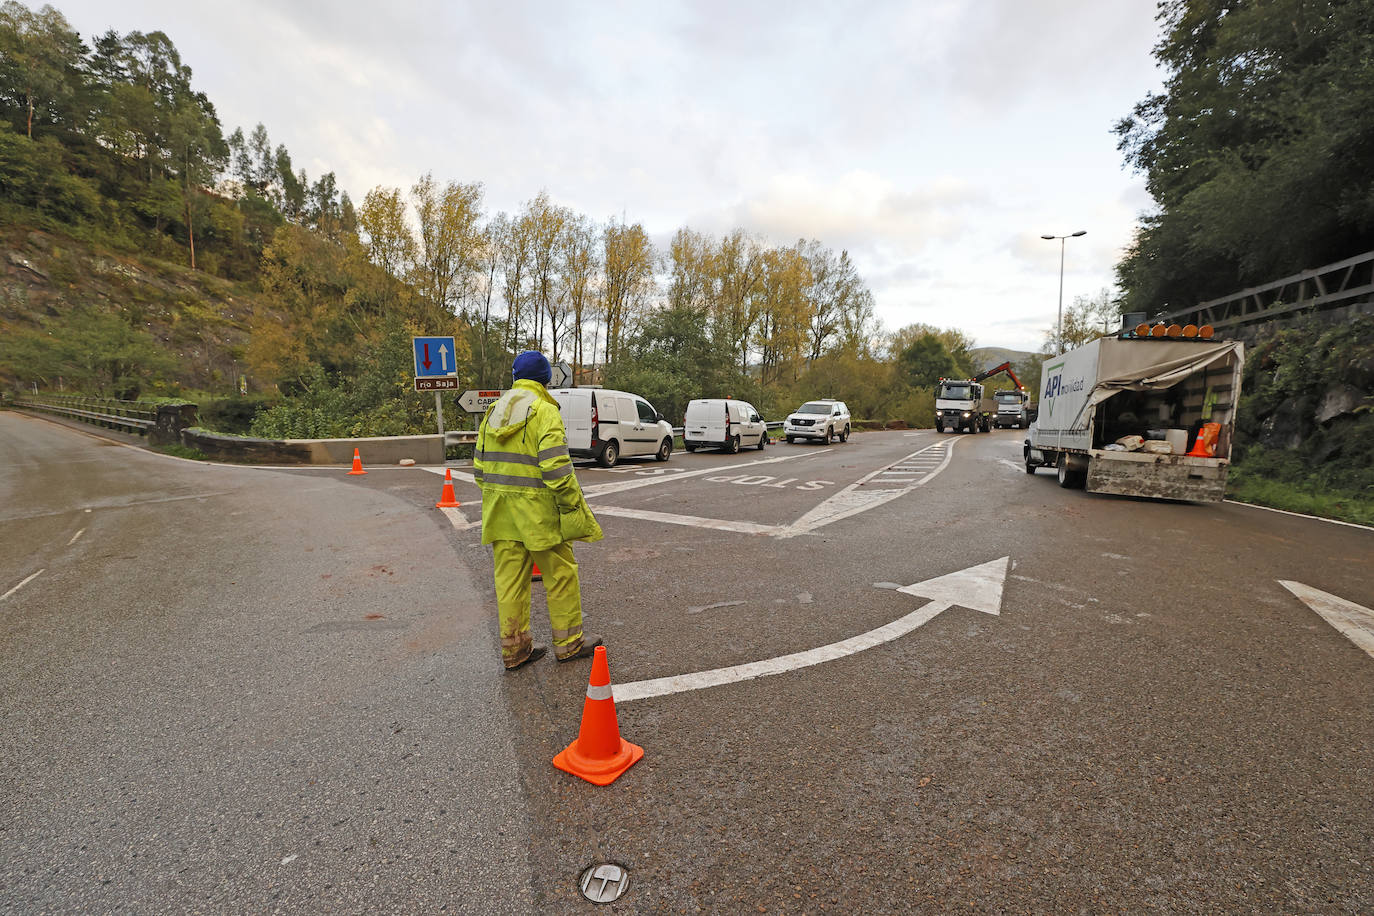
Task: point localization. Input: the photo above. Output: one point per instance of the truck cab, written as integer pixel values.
(1013, 408)
(960, 404)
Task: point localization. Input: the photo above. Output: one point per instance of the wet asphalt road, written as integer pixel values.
(1150, 723)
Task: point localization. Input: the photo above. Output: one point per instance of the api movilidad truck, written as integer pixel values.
(1147, 384)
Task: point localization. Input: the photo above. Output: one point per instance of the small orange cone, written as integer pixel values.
(536, 575)
(599, 755)
(1205, 444)
(357, 464)
(446, 498)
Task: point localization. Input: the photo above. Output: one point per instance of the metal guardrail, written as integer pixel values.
(134, 416)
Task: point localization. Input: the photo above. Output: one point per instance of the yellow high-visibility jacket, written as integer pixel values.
(529, 491)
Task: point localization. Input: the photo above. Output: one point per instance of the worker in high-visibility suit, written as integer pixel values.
(532, 511)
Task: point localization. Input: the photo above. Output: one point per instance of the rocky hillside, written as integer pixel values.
(48, 282)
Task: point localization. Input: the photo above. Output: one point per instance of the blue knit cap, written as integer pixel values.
(533, 366)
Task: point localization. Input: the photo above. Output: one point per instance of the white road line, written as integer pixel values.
(1012, 464)
(694, 521)
(1315, 518)
(640, 690)
(75, 536)
(22, 584)
(620, 486)
(458, 520)
(851, 500)
(457, 475)
(1353, 621)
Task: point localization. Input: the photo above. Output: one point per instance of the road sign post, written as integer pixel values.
(436, 369)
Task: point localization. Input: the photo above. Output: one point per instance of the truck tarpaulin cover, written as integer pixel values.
(1156, 365)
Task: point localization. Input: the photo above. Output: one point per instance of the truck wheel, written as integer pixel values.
(789, 439)
(690, 446)
(610, 454)
(1069, 480)
(844, 436)
(763, 440)
(664, 451)
(733, 445)
(939, 427)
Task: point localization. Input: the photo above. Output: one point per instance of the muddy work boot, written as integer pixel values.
(536, 653)
(586, 650)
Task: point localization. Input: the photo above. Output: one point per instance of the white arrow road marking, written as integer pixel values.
(978, 588)
(1354, 621)
(22, 584)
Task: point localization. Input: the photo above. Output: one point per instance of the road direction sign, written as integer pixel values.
(478, 401)
(449, 382)
(562, 375)
(434, 357)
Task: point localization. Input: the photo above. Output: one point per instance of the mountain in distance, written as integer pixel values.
(987, 357)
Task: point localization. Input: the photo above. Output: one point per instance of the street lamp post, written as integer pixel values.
(1059, 332)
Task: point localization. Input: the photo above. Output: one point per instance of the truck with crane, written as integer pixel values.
(963, 404)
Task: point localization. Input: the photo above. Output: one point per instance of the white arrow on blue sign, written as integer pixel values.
(434, 356)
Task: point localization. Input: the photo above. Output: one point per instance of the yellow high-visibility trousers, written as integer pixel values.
(514, 563)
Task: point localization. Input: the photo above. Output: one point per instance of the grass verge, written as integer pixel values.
(1248, 486)
(180, 451)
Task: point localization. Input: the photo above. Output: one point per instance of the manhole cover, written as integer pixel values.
(604, 883)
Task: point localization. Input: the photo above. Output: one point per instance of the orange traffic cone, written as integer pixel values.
(599, 755)
(446, 498)
(1205, 444)
(357, 464)
(536, 575)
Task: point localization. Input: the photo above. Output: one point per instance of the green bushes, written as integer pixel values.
(1305, 430)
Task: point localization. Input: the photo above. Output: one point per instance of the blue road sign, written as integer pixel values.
(434, 356)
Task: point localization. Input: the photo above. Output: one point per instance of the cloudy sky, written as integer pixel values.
(936, 140)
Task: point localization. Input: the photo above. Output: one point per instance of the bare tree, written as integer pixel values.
(449, 236)
(577, 264)
(628, 279)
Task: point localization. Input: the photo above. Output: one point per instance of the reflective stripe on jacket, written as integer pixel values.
(529, 491)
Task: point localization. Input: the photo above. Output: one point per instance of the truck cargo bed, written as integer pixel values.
(1157, 476)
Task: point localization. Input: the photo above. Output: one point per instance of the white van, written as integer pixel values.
(723, 423)
(609, 425)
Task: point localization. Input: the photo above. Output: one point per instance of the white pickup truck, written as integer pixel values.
(1159, 389)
